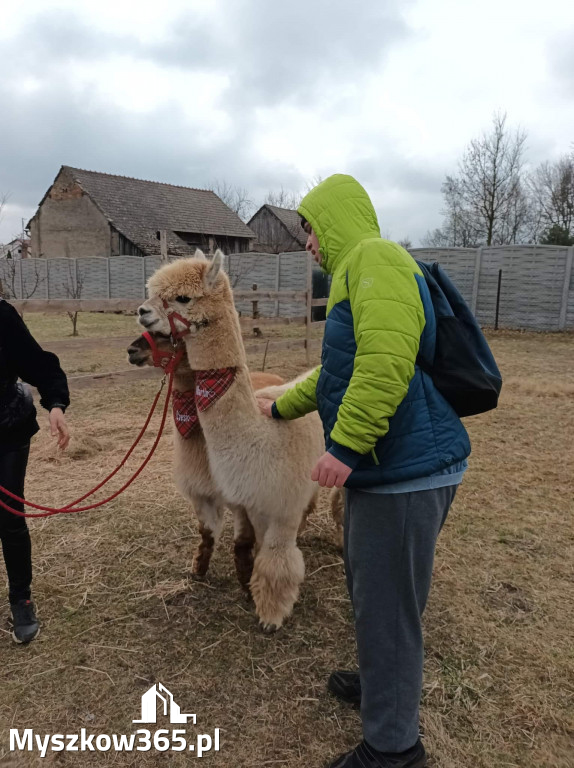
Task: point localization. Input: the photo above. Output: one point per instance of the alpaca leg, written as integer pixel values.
(277, 574)
(337, 499)
(243, 543)
(210, 517)
(312, 506)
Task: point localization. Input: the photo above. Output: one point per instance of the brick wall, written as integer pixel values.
(68, 224)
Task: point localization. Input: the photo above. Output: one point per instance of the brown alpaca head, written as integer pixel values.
(199, 292)
(140, 353)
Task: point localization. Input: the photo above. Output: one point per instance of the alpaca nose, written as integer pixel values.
(133, 353)
(143, 311)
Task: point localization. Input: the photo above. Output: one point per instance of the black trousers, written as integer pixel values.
(14, 533)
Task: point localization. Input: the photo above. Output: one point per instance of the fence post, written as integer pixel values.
(21, 281)
(109, 277)
(498, 300)
(277, 280)
(566, 289)
(476, 281)
(309, 308)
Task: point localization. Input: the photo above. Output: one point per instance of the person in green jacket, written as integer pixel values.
(397, 447)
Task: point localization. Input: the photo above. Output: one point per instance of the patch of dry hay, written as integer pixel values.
(120, 610)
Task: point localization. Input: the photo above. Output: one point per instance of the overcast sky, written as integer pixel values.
(265, 94)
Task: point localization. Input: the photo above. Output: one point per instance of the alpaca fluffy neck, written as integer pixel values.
(220, 345)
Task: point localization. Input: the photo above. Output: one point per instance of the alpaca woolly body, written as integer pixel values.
(192, 472)
(260, 465)
(279, 458)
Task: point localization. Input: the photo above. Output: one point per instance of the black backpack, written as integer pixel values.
(464, 369)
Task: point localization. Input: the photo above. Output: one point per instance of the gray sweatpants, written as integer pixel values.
(389, 550)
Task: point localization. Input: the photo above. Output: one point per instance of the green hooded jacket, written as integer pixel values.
(376, 279)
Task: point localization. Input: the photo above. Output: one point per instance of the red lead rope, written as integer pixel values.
(70, 508)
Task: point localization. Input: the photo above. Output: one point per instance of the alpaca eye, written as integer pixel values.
(183, 299)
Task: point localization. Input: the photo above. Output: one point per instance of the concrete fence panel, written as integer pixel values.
(536, 288)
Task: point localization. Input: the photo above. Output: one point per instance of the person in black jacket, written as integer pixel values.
(22, 357)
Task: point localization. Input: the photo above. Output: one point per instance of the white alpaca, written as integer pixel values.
(258, 465)
(192, 473)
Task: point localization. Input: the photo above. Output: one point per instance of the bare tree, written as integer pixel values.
(283, 198)
(405, 243)
(486, 202)
(460, 224)
(287, 198)
(237, 271)
(73, 288)
(234, 197)
(458, 230)
(15, 283)
(313, 182)
(435, 238)
(491, 183)
(240, 266)
(552, 189)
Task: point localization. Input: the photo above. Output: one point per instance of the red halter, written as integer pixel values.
(169, 360)
(172, 317)
(166, 360)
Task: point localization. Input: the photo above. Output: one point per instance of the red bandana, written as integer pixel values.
(184, 412)
(209, 387)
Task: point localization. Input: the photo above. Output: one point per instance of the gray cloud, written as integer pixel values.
(276, 52)
(270, 54)
(305, 55)
(62, 35)
(400, 174)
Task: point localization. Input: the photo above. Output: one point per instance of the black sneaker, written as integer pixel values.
(26, 626)
(365, 756)
(346, 686)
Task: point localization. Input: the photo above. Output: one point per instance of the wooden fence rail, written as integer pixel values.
(304, 298)
(77, 305)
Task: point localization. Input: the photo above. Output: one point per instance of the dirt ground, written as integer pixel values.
(120, 611)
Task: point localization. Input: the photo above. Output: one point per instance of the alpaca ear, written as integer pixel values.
(199, 254)
(213, 270)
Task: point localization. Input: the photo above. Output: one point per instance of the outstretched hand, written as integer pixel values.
(265, 406)
(329, 472)
(59, 427)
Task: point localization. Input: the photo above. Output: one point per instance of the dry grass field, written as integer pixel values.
(121, 612)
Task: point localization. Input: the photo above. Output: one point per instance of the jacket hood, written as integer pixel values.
(341, 213)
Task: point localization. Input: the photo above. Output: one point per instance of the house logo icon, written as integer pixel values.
(149, 706)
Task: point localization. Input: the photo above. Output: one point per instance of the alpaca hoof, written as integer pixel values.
(268, 628)
(198, 576)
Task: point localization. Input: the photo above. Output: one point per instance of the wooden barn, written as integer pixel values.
(86, 213)
(277, 230)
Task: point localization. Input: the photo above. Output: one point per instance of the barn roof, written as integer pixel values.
(139, 208)
(290, 219)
